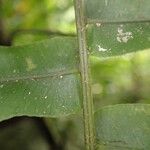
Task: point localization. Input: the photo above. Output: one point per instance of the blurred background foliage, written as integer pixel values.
(123, 79)
(36, 17)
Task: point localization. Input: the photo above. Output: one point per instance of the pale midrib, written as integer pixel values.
(37, 77)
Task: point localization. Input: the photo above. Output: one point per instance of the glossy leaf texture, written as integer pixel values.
(41, 79)
(123, 127)
(116, 27)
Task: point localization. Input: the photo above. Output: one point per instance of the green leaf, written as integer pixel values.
(117, 27)
(117, 10)
(117, 39)
(123, 127)
(40, 79)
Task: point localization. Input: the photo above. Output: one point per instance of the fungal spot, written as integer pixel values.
(122, 36)
(101, 49)
(29, 93)
(98, 24)
(45, 97)
(30, 64)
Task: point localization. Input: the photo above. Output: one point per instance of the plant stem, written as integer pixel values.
(87, 95)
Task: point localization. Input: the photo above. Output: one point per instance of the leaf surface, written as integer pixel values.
(123, 127)
(116, 27)
(117, 10)
(118, 39)
(41, 79)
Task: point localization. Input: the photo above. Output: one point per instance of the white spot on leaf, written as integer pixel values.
(45, 97)
(101, 49)
(123, 36)
(98, 24)
(61, 77)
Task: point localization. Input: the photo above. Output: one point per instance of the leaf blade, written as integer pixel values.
(37, 87)
(117, 39)
(37, 59)
(124, 126)
(117, 10)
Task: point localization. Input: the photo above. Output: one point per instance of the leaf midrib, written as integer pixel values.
(36, 77)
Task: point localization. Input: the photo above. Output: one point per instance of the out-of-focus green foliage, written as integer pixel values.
(38, 14)
(121, 79)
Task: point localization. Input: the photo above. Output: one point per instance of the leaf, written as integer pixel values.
(41, 79)
(117, 27)
(123, 127)
(117, 39)
(117, 10)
